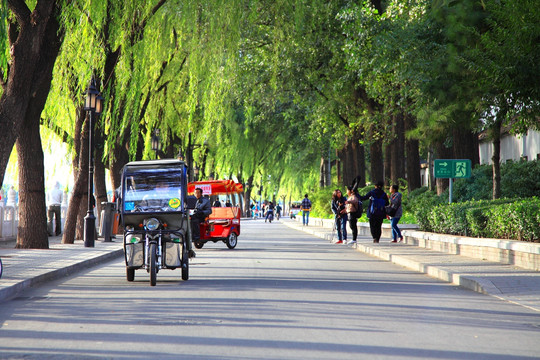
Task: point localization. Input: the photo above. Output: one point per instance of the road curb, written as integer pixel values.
(10, 292)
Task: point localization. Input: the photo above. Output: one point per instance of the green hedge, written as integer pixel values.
(517, 219)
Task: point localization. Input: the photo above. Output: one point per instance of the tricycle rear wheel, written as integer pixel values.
(130, 274)
(153, 264)
(199, 245)
(232, 240)
(185, 264)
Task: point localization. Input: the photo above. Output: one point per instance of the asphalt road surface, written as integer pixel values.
(281, 294)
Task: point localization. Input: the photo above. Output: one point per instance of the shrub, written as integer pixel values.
(518, 220)
(518, 180)
(421, 202)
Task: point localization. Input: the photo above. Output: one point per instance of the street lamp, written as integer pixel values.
(94, 106)
(156, 142)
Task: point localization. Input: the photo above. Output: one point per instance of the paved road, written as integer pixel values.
(282, 294)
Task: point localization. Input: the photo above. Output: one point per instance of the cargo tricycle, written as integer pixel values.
(155, 218)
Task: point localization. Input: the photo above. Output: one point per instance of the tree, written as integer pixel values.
(34, 38)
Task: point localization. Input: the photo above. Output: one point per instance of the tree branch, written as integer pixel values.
(21, 11)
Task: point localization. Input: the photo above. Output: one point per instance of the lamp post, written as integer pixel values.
(156, 142)
(94, 106)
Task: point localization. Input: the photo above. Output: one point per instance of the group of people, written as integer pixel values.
(380, 207)
(268, 210)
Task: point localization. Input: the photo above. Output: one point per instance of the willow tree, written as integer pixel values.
(34, 38)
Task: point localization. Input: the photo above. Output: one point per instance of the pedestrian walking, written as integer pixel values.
(306, 208)
(395, 212)
(269, 210)
(54, 199)
(340, 215)
(376, 210)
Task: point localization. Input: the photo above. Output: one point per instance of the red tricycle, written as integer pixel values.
(224, 222)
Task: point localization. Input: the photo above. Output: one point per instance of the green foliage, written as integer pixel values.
(503, 218)
(518, 180)
(321, 201)
(420, 201)
(518, 220)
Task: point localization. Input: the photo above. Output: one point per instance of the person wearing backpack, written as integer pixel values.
(306, 208)
(376, 209)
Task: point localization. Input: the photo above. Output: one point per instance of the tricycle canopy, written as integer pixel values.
(216, 187)
(153, 187)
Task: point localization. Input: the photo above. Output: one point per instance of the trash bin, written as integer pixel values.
(107, 220)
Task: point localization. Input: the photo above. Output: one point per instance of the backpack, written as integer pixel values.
(377, 207)
(358, 213)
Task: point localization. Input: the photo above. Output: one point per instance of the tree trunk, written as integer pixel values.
(466, 145)
(387, 161)
(412, 156)
(32, 39)
(496, 159)
(99, 176)
(397, 165)
(442, 152)
(377, 166)
(80, 165)
(83, 210)
(346, 168)
(339, 175)
(32, 229)
(247, 195)
(322, 173)
(431, 170)
(118, 157)
(360, 163)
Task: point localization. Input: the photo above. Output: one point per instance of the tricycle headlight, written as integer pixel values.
(151, 224)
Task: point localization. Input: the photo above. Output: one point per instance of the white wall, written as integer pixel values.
(513, 147)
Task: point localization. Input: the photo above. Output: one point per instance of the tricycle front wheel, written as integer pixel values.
(153, 264)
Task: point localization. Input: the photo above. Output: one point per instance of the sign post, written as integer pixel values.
(452, 169)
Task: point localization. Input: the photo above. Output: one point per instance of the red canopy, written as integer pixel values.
(216, 187)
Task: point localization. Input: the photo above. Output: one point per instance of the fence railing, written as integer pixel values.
(9, 220)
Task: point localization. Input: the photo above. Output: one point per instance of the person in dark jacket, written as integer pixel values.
(200, 212)
(340, 214)
(376, 210)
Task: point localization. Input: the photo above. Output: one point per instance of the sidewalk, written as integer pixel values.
(506, 282)
(25, 268)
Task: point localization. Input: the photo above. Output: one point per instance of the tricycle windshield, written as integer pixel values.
(152, 189)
